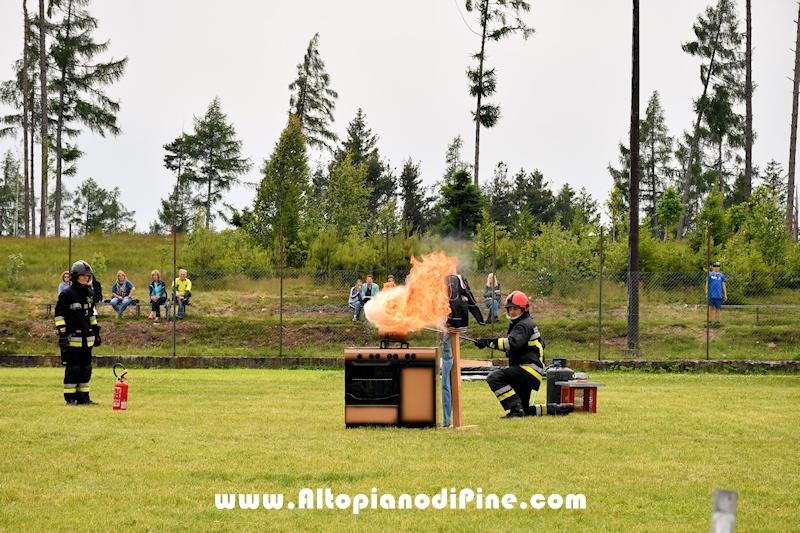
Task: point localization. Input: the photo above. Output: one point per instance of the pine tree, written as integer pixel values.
(282, 194)
(718, 41)
(413, 196)
(462, 203)
(346, 197)
(215, 154)
(655, 158)
(534, 196)
(361, 144)
(497, 193)
(497, 19)
(78, 80)
(775, 181)
(10, 189)
(312, 101)
(96, 209)
(565, 206)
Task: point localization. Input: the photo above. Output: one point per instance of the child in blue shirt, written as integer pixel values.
(716, 291)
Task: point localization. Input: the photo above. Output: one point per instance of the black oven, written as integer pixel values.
(390, 387)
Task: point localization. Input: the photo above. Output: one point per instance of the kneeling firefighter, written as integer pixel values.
(78, 333)
(524, 347)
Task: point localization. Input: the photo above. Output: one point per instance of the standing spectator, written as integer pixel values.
(716, 290)
(355, 300)
(64, 285)
(78, 332)
(389, 282)
(121, 293)
(158, 295)
(369, 290)
(492, 293)
(182, 290)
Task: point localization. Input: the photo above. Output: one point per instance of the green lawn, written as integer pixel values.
(648, 461)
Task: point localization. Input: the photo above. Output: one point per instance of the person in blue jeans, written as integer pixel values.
(492, 293)
(447, 365)
(716, 291)
(121, 293)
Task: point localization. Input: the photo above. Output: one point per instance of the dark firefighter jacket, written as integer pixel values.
(75, 315)
(462, 302)
(523, 343)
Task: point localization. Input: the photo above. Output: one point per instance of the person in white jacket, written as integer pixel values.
(355, 300)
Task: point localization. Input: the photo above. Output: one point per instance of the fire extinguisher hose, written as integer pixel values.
(120, 377)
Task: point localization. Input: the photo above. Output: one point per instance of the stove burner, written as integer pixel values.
(386, 342)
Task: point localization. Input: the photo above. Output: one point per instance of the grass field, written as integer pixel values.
(649, 460)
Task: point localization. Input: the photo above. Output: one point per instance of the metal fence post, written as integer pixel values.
(600, 302)
(723, 516)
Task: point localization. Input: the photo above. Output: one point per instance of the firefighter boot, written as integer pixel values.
(515, 412)
(560, 408)
(83, 399)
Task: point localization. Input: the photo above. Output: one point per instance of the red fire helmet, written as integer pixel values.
(517, 299)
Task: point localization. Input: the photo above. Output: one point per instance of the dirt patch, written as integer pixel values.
(714, 333)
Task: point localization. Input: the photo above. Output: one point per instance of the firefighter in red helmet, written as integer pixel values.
(524, 347)
(78, 333)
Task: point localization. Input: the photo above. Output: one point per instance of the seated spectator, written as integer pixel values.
(182, 291)
(121, 293)
(355, 300)
(158, 295)
(369, 290)
(389, 282)
(64, 282)
(492, 293)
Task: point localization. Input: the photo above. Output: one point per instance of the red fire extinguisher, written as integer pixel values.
(120, 389)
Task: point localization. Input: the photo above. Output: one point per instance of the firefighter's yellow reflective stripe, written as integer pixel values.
(69, 390)
(84, 389)
(93, 320)
(74, 344)
(509, 394)
(60, 321)
(532, 372)
(501, 344)
(502, 390)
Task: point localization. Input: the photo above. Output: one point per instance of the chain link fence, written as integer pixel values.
(305, 313)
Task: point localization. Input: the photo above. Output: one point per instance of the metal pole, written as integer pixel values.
(600, 301)
(708, 302)
(387, 253)
(69, 254)
(280, 319)
(723, 516)
(494, 280)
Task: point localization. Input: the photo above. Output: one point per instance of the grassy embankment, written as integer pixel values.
(648, 461)
(239, 315)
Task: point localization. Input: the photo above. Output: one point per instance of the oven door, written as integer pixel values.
(371, 384)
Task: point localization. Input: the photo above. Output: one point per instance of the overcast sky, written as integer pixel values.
(565, 93)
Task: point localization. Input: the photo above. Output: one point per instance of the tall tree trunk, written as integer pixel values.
(793, 135)
(478, 108)
(208, 199)
(633, 234)
(60, 127)
(25, 117)
(687, 184)
(748, 96)
(33, 187)
(45, 141)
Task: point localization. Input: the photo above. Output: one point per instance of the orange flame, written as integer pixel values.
(421, 302)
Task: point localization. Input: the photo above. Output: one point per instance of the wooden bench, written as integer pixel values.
(49, 306)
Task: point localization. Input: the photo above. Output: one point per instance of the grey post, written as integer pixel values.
(723, 518)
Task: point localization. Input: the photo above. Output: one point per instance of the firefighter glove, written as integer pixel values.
(486, 342)
(97, 339)
(63, 342)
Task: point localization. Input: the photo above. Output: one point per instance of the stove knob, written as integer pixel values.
(360, 356)
(408, 356)
(377, 356)
(413, 356)
(372, 356)
(396, 356)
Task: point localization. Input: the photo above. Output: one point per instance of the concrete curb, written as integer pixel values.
(144, 361)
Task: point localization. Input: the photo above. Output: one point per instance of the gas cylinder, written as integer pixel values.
(120, 389)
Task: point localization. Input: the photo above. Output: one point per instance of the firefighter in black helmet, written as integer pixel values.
(78, 333)
(524, 347)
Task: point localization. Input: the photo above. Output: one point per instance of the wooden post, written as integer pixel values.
(723, 517)
(455, 379)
